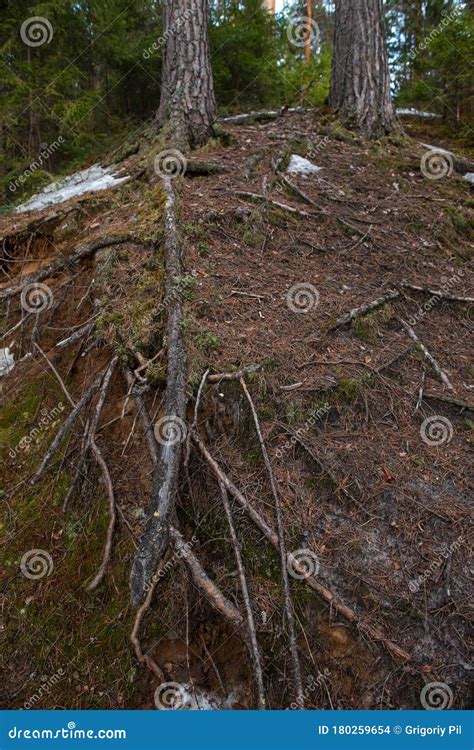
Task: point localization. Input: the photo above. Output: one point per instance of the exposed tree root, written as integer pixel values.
(437, 293)
(289, 610)
(356, 312)
(252, 636)
(113, 517)
(166, 474)
(198, 167)
(212, 593)
(67, 426)
(345, 611)
(145, 658)
(429, 357)
(144, 416)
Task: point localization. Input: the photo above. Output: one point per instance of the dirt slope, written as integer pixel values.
(370, 450)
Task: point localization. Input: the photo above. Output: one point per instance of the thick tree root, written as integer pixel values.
(166, 474)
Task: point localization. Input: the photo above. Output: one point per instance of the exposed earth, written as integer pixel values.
(369, 441)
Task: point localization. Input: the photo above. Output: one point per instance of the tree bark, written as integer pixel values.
(187, 104)
(360, 83)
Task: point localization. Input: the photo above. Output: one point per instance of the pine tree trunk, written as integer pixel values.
(360, 84)
(187, 104)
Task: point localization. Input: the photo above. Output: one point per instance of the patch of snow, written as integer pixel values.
(88, 180)
(299, 165)
(469, 176)
(7, 362)
(412, 112)
(186, 697)
(437, 148)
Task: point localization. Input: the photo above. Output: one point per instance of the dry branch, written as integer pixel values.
(203, 582)
(372, 631)
(263, 199)
(429, 357)
(166, 473)
(218, 377)
(289, 610)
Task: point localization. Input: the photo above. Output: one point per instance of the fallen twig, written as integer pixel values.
(218, 377)
(277, 204)
(437, 293)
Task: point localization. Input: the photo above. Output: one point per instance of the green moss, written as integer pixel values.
(368, 326)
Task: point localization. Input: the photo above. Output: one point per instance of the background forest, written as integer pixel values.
(100, 79)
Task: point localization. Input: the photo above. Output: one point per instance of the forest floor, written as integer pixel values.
(370, 449)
